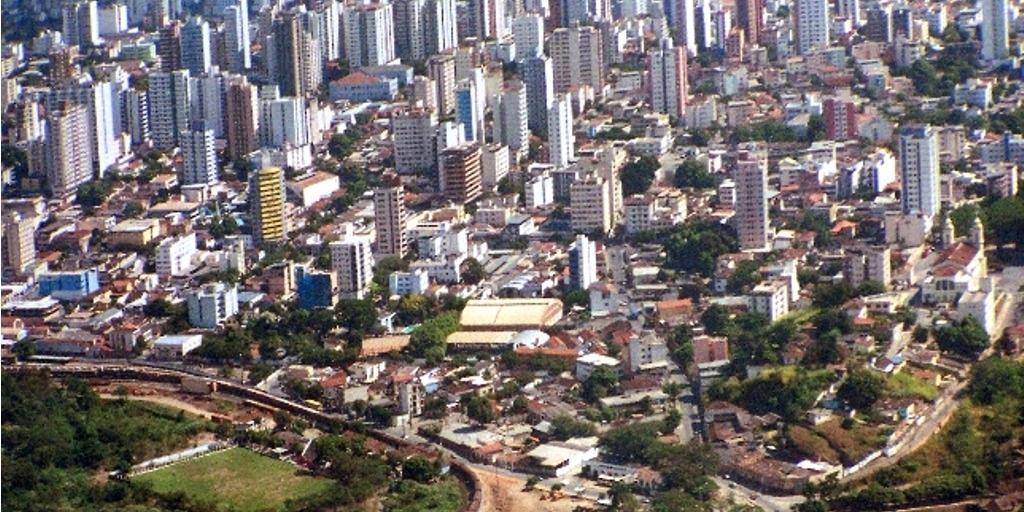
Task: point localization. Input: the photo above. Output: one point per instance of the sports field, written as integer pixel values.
(242, 479)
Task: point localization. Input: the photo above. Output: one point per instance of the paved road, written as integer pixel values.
(615, 262)
(743, 495)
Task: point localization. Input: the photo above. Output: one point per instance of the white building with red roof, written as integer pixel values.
(959, 268)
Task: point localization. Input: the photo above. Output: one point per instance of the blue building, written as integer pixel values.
(467, 112)
(69, 285)
(316, 289)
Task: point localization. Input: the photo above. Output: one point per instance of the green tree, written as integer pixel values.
(963, 219)
(995, 379)
(429, 340)
(564, 427)
(1005, 220)
(693, 173)
(861, 389)
(472, 271)
(478, 408)
(715, 319)
(637, 176)
(920, 334)
(602, 382)
(966, 338)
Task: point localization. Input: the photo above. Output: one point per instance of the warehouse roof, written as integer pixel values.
(500, 314)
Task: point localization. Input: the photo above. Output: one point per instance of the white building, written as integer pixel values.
(586, 364)
(352, 260)
(590, 200)
(511, 123)
(582, 263)
(369, 34)
(528, 33)
(770, 299)
(174, 255)
(667, 75)
(404, 283)
(169, 104)
(284, 121)
(413, 132)
(994, 30)
(494, 165)
(561, 139)
(211, 305)
(176, 346)
(199, 155)
(919, 171)
(812, 25)
(389, 220)
(539, 190)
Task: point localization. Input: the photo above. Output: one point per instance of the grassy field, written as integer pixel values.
(240, 478)
(904, 385)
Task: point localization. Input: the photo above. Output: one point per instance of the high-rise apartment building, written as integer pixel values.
(369, 34)
(540, 91)
(80, 23)
(994, 30)
(102, 128)
(196, 49)
(293, 57)
(577, 59)
(582, 263)
(460, 172)
(352, 261)
(468, 110)
(511, 118)
(169, 104)
(591, 205)
(284, 121)
(64, 155)
(135, 113)
(199, 154)
(266, 200)
(561, 139)
(390, 221)
(668, 81)
(751, 219)
(441, 69)
(19, 246)
(812, 25)
(168, 46)
(237, 50)
(919, 170)
(528, 33)
(413, 133)
(840, 116)
(750, 17)
(206, 97)
(682, 16)
(241, 112)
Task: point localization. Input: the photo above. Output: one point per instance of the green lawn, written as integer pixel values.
(904, 385)
(239, 478)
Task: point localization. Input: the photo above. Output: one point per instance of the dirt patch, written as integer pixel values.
(503, 493)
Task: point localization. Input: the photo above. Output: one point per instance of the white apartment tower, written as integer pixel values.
(390, 221)
(168, 107)
(919, 170)
(511, 118)
(369, 34)
(236, 38)
(352, 261)
(64, 155)
(199, 153)
(577, 59)
(196, 50)
(19, 246)
(994, 30)
(582, 263)
(590, 201)
(413, 133)
(812, 25)
(668, 79)
(561, 140)
(752, 204)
